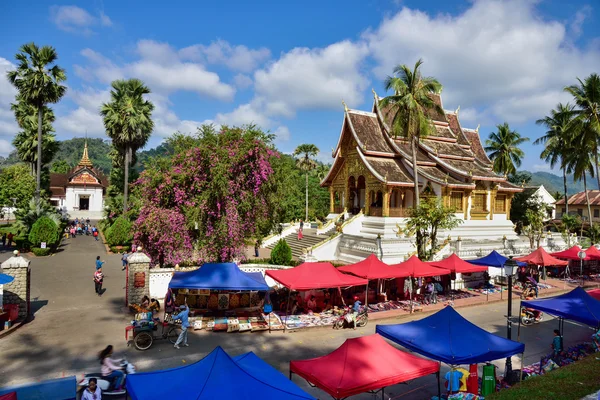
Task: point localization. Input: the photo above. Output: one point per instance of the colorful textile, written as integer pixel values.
(234, 300)
(202, 301)
(245, 300)
(254, 299)
(220, 324)
(223, 301)
(233, 325)
(213, 302)
(488, 384)
(473, 379)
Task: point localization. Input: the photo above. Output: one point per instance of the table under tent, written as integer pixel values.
(583, 267)
(362, 365)
(448, 337)
(218, 375)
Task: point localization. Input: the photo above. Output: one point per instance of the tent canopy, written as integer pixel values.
(4, 279)
(576, 305)
(448, 337)
(455, 264)
(494, 259)
(321, 275)
(215, 376)
(541, 257)
(593, 253)
(595, 293)
(360, 365)
(371, 268)
(418, 269)
(217, 276)
(570, 254)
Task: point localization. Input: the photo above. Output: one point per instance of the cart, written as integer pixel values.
(144, 334)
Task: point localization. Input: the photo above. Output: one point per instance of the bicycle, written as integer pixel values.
(144, 337)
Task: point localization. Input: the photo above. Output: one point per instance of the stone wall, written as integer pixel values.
(18, 291)
(139, 266)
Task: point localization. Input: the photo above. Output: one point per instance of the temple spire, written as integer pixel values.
(85, 159)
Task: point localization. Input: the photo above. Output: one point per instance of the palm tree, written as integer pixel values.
(504, 151)
(560, 129)
(587, 99)
(411, 101)
(128, 121)
(580, 161)
(306, 163)
(38, 84)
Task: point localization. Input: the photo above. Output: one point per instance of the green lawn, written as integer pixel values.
(7, 228)
(572, 382)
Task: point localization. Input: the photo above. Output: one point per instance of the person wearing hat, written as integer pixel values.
(355, 309)
(183, 316)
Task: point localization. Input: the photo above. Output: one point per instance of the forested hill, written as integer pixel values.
(71, 151)
(554, 183)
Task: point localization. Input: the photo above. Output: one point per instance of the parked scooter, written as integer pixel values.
(530, 316)
(103, 383)
(346, 319)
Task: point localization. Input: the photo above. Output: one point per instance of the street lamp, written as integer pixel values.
(510, 268)
(581, 254)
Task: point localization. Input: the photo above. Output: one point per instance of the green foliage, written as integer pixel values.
(60, 167)
(120, 233)
(33, 211)
(119, 249)
(40, 252)
(594, 233)
(282, 253)
(22, 243)
(70, 151)
(44, 230)
(16, 182)
(535, 228)
(569, 224)
(426, 220)
(503, 149)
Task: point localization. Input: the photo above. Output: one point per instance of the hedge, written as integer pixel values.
(44, 230)
(282, 253)
(40, 252)
(119, 249)
(120, 233)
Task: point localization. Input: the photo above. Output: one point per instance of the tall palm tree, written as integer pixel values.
(587, 99)
(305, 162)
(580, 163)
(128, 121)
(410, 102)
(503, 149)
(560, 129)
(38, 83)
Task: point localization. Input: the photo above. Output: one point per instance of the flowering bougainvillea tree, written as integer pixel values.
(203, 203)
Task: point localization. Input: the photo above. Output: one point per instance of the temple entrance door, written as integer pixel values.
(84, 203)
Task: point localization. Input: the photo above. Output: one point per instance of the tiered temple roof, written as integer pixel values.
(453, 156)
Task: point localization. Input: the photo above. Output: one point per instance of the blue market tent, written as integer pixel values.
(217, 276)
(257, 276)
(448, 337)
(53, 389)
(494, 259)
(4, 279)
(577, 305)
(216, 376)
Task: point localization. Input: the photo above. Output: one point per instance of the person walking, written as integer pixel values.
(98, 279)
(183, 316)
(124, 260)
(98, 262)
(9, 239)
(4, 240)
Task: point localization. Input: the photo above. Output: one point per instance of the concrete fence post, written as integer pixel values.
(18, 291)
(138, 284)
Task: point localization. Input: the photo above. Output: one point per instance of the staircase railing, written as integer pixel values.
(269, 240)
(331, 223)
(309, 249)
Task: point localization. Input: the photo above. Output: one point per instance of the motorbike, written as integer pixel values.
(528, 316)
(103, 383)
(345, 320)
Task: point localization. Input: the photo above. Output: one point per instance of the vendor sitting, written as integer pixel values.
(312, 304)
(326, 305)
(145, 302)
(296, 309)
(154, 306)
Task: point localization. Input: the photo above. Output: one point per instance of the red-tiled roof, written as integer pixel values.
(473, 137)
(368, 132)
(57, 192)
(389, 170)
(456, 129)
(445, 148)
(406, 148)
(58, 180)
(579, 198)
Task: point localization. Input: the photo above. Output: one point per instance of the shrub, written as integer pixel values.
(119, 249)
(22, 243)
(44, 230)
(40, 252)
(119, 233)
(282, 253)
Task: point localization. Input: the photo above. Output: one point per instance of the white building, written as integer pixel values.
(544, 197)
(80, 192)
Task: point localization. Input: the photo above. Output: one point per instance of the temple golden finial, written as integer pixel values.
(446, 179)
(374, 93)
(85, 159)
(523, 183)
(345, 106)
(478, 125)
(470, 172)
(457, 110)
(385, 178)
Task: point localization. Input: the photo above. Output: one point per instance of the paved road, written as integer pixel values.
(72, 324)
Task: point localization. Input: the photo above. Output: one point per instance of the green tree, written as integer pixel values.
(579, 159)
(71, 151)
(44, 230)
(587, 100)
(426, 220)
(34, 210)
(559, 125)
(282, 253)
(128, 121)
(60, 167)
(305, 153)
(120, 233)
(410, 104)
(38, 83)
(503, 149)
(17, 183)
(569, 224)
(535, 229)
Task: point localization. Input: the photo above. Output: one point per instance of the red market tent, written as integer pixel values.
(455, 264)
(570, 254)
(594, 293)
(371, 268)
(418, 269)
(307, 276)
(541, 257)
(593, 253)
(360, 365)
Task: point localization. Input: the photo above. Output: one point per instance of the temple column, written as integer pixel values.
(508, 203)
(367, 199)
(469, 205)
(331, 200)
(385, 212)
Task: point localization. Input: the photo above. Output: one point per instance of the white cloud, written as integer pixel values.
(313, 78)
(101, 68)
(282, 133)
(77, 20)
(5, 147)
(8, 125)
(237, 58)
(541, 168)
(242, 81)
(245, 114)
(492, 56)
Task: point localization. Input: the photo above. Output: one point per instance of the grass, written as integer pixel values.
(7, 228)
(571, 382)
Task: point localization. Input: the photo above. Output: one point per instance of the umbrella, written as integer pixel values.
(4, 279)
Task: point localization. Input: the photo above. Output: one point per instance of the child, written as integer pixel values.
(98, 279)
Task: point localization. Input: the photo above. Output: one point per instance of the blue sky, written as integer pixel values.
(287, 66)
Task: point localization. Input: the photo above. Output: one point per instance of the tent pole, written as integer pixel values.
(437, 374)
(522, 362)
(287, 308)
(519, 328)
(367, 296)
(501, 274)
(410, 294)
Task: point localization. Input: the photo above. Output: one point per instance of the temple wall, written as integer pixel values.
(95, 194)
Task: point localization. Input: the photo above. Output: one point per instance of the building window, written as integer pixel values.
(596, 213)
(479, 200)
(500, 204)
(580, 212)
(456, 201)
(563, 211)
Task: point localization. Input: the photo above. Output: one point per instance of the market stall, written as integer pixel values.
(217, 375)
(470, 272)
(594, 293)
(361, 365)
(496, 260)
(222, 297)
(541, 257)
